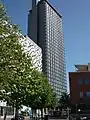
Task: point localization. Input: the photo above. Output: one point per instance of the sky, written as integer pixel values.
(76, 26)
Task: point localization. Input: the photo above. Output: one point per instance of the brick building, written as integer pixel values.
(80, 86)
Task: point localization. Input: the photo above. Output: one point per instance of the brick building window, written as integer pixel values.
(81, 94)
(88, 94)
(87, 81)
(84, 81)
(80, 82)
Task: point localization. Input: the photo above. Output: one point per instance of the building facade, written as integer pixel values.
(33, 50)
(4, 108)
(80, 86)
(47, 33)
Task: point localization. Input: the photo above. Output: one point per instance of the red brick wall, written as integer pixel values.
(76, 88)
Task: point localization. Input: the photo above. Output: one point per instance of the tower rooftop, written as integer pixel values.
(82, 67)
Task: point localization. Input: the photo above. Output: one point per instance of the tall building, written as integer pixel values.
(80, 86)
(45, 28)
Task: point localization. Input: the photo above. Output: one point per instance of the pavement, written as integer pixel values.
(57, 119)
(6, 119)
(26, 118)
(49, 119)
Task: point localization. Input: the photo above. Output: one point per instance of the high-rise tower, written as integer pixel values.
(45, 28)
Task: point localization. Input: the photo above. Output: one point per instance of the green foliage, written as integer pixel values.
(3, 15)
(15, 65)
(64, 101)
(20, 82)
(42, 95)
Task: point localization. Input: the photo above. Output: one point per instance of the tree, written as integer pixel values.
(64, 101)
(20, 83)
(43, 95)
(15, 66)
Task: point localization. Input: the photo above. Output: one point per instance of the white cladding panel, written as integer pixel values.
(34, 51)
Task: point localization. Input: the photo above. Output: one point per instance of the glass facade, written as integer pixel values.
(54, 50)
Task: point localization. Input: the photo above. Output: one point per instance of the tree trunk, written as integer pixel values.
(5, 115)
(35, 113)
(32, 112)
(16, 114)
(41, 113)
(16, 111)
